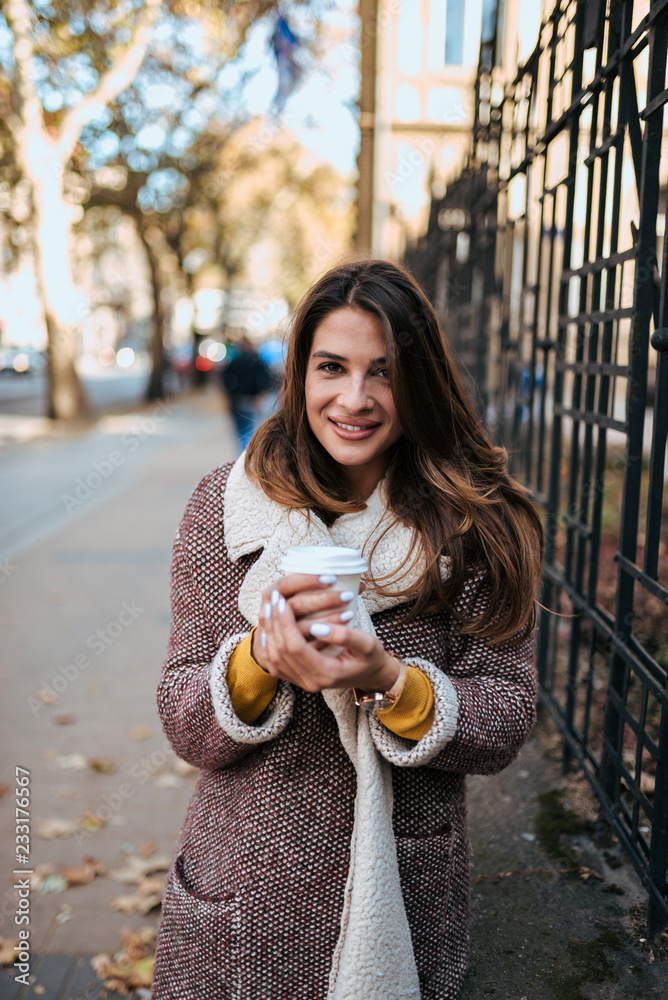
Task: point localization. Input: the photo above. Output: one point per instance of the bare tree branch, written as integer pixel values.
(111, 85)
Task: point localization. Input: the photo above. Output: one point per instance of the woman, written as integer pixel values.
(324, 853)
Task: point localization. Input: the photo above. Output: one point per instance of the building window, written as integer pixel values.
(454, 32)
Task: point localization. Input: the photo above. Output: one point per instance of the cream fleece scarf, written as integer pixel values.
(373, 959)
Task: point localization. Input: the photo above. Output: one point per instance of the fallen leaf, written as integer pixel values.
(136, 902)
(40, 873)
(89, 821)
(650, 956)
(105, 765)
(64, 719)
(7, 953)
(138, 733)
(39, 990)
(83, 874)
(146, 849)
(151, 884)
(53, 883)
(138, 868)
(47, 697)
(54, 826)
(131, 968)
(167, 780)
(3, 790)
(64, 913)
(185, 769)
(72, 761)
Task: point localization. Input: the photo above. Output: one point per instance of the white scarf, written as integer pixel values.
(373, 958)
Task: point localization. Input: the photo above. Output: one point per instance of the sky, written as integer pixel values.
(321, 111)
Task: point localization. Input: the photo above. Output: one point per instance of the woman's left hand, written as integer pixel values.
(363, 662)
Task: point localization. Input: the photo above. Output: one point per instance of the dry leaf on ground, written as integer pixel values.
(54, 826)
(138, 733)
(47, 697)
(7, 953)
(185, 769)
(89, 821)
(131, 968)
(167, 780)
(72, 761)
(83, 874)
(146, 849)
(64, 719)
(136, 868)
(105, 765)
(3, 790)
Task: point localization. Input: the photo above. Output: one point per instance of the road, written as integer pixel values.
(107, 390)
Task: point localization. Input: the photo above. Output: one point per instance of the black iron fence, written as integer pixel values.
(547, 260)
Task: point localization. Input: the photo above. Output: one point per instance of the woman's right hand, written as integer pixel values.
(307, 596)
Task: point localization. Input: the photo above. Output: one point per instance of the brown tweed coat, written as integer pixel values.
(254, 898)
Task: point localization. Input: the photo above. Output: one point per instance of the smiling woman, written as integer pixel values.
(324, 854)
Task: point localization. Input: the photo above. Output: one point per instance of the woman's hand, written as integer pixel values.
(284, 645)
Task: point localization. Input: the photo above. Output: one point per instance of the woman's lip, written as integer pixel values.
(357, 435)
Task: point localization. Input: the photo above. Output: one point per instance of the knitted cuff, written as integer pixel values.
(276, 716)
(407, 753)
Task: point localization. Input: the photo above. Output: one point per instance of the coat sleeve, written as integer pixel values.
(193, 698)
(484, 704)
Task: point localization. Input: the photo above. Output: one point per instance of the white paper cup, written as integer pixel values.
(332, 560)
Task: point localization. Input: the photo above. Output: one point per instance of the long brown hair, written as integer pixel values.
(445, 479)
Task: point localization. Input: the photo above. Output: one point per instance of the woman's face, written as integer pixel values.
(349, 402)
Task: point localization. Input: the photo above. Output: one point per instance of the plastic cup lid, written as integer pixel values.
(318, 559)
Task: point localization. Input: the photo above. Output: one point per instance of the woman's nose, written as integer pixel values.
(355, 395)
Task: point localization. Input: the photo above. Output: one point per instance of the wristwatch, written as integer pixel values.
(378, 700)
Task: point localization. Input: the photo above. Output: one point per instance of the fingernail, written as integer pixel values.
(327, 578)
(320, 630)
(275, 595)
(263, 639)
(267, 611)
(346, 616)
(281, 606)
(347, 595)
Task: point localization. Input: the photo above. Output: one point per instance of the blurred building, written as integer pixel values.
(419, 60)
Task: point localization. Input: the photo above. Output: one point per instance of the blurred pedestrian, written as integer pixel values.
(324, 853)
(245, 379)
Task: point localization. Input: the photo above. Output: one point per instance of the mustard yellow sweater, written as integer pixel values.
(252, 688)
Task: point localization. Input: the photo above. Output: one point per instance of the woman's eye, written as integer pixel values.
(329, 366)
(383, 372)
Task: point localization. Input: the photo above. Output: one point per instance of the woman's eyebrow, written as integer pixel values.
(339, 357)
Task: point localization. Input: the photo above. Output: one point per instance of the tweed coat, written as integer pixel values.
(254, 897)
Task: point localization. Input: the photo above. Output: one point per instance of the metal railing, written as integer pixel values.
(547, 262)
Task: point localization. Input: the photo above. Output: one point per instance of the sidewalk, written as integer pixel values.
(85, 629)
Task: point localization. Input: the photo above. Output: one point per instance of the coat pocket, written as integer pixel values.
(425, 870)
(197, 957)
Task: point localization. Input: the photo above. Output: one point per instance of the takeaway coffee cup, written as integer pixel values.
(331, 560)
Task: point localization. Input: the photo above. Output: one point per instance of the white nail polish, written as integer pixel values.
(327, 578)
(347, 596)
(267, 611)
(281, 605)
(346, 616)
(320, 630)
(263, 640)
(275, 595)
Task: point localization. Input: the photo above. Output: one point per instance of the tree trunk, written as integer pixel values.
(66, 398)
(156, 382)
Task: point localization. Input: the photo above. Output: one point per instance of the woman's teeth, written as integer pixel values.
(351, 427)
